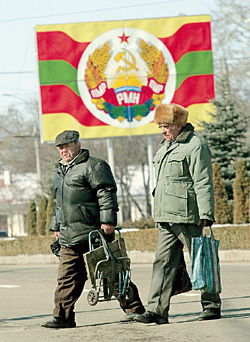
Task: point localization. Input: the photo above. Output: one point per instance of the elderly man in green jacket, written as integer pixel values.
(183, 204)
(85, 192)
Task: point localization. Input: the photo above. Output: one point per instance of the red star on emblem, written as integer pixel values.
(124, 38)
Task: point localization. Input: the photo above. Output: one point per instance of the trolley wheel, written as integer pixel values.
(130, 293)
(92, 297)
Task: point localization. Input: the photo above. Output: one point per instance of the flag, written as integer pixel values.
(104, 79)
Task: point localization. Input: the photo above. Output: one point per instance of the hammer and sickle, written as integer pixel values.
(122, 56)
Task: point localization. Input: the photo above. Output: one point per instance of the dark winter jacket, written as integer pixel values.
(85, 193)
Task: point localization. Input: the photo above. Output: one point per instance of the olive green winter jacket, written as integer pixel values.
(85, 193)
(184, 190)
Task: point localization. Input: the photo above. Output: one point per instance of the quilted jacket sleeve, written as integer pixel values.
(54, 226)
(102, 181)
(202, 175)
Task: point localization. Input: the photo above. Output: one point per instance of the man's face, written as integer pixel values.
(170, 131)
(69, 151)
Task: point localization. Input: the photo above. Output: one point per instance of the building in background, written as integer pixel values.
(132, 206)
(16, 190)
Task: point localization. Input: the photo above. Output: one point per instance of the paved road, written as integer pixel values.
(26, 301)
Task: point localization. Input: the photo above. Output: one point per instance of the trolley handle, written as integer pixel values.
(100, 233)
(118, 229)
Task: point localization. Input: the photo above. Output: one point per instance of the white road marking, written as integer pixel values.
(9, 286)
(189, 294)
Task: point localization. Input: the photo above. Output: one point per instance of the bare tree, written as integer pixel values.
(131, 156)
(16, 153)
(231, 41)
(96, 147)
(19, 129)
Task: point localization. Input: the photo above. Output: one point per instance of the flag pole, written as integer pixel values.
(111, 155)
(151, 171)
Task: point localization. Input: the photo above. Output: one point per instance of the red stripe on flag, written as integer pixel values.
(195, 89)
(59, 46)
(189, 37)
(61, 99)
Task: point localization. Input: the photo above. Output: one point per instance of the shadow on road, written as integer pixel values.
(187, 317)
(50, 315)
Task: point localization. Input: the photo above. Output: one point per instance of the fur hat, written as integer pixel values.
(171, 114)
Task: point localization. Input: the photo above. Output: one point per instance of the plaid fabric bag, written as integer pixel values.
(205, 266)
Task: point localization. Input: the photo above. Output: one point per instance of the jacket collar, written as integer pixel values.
(82, 156)
(183, 136)
(185, 133)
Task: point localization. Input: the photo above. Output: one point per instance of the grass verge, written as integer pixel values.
(231, 237)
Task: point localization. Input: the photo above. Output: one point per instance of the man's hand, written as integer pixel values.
(56, 235)
(205, 223)
(108, 228)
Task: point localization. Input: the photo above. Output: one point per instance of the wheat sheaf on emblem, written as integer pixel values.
(158, 69)
(96, 81)
(94, 74)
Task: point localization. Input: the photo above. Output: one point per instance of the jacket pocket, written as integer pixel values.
(177, 164)
(157, 158)
(91, 215)
(156, 162)
(175, 199)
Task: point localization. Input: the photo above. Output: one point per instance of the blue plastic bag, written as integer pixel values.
(205, 265)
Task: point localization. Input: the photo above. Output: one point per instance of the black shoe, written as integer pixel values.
(151, 317)
(208, 314)
(58, 323)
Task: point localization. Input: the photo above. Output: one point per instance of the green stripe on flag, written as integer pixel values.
(193, 64)
(58, 72)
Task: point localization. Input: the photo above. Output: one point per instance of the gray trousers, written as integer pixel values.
(170, 247)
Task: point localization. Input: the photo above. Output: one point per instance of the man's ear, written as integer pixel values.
(79, 144)
(179, 126)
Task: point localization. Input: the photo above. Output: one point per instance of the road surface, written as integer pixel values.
(26, 301)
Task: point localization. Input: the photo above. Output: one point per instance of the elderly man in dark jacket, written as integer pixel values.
(183, 204)
(85, 193)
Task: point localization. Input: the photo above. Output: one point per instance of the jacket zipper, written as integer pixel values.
(64, 213)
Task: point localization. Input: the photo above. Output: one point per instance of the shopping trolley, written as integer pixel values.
(108, 268)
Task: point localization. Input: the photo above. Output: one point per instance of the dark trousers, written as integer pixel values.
(72, 276)
(169, 251)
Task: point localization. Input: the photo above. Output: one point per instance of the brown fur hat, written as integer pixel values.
(171, 114)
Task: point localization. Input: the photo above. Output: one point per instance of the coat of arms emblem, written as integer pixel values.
(123, 74)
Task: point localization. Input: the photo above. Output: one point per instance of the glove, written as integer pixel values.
(205, 223)
(55, 248)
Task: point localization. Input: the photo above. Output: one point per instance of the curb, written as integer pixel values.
(232, 255)
(28, 259)
(136, 257)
